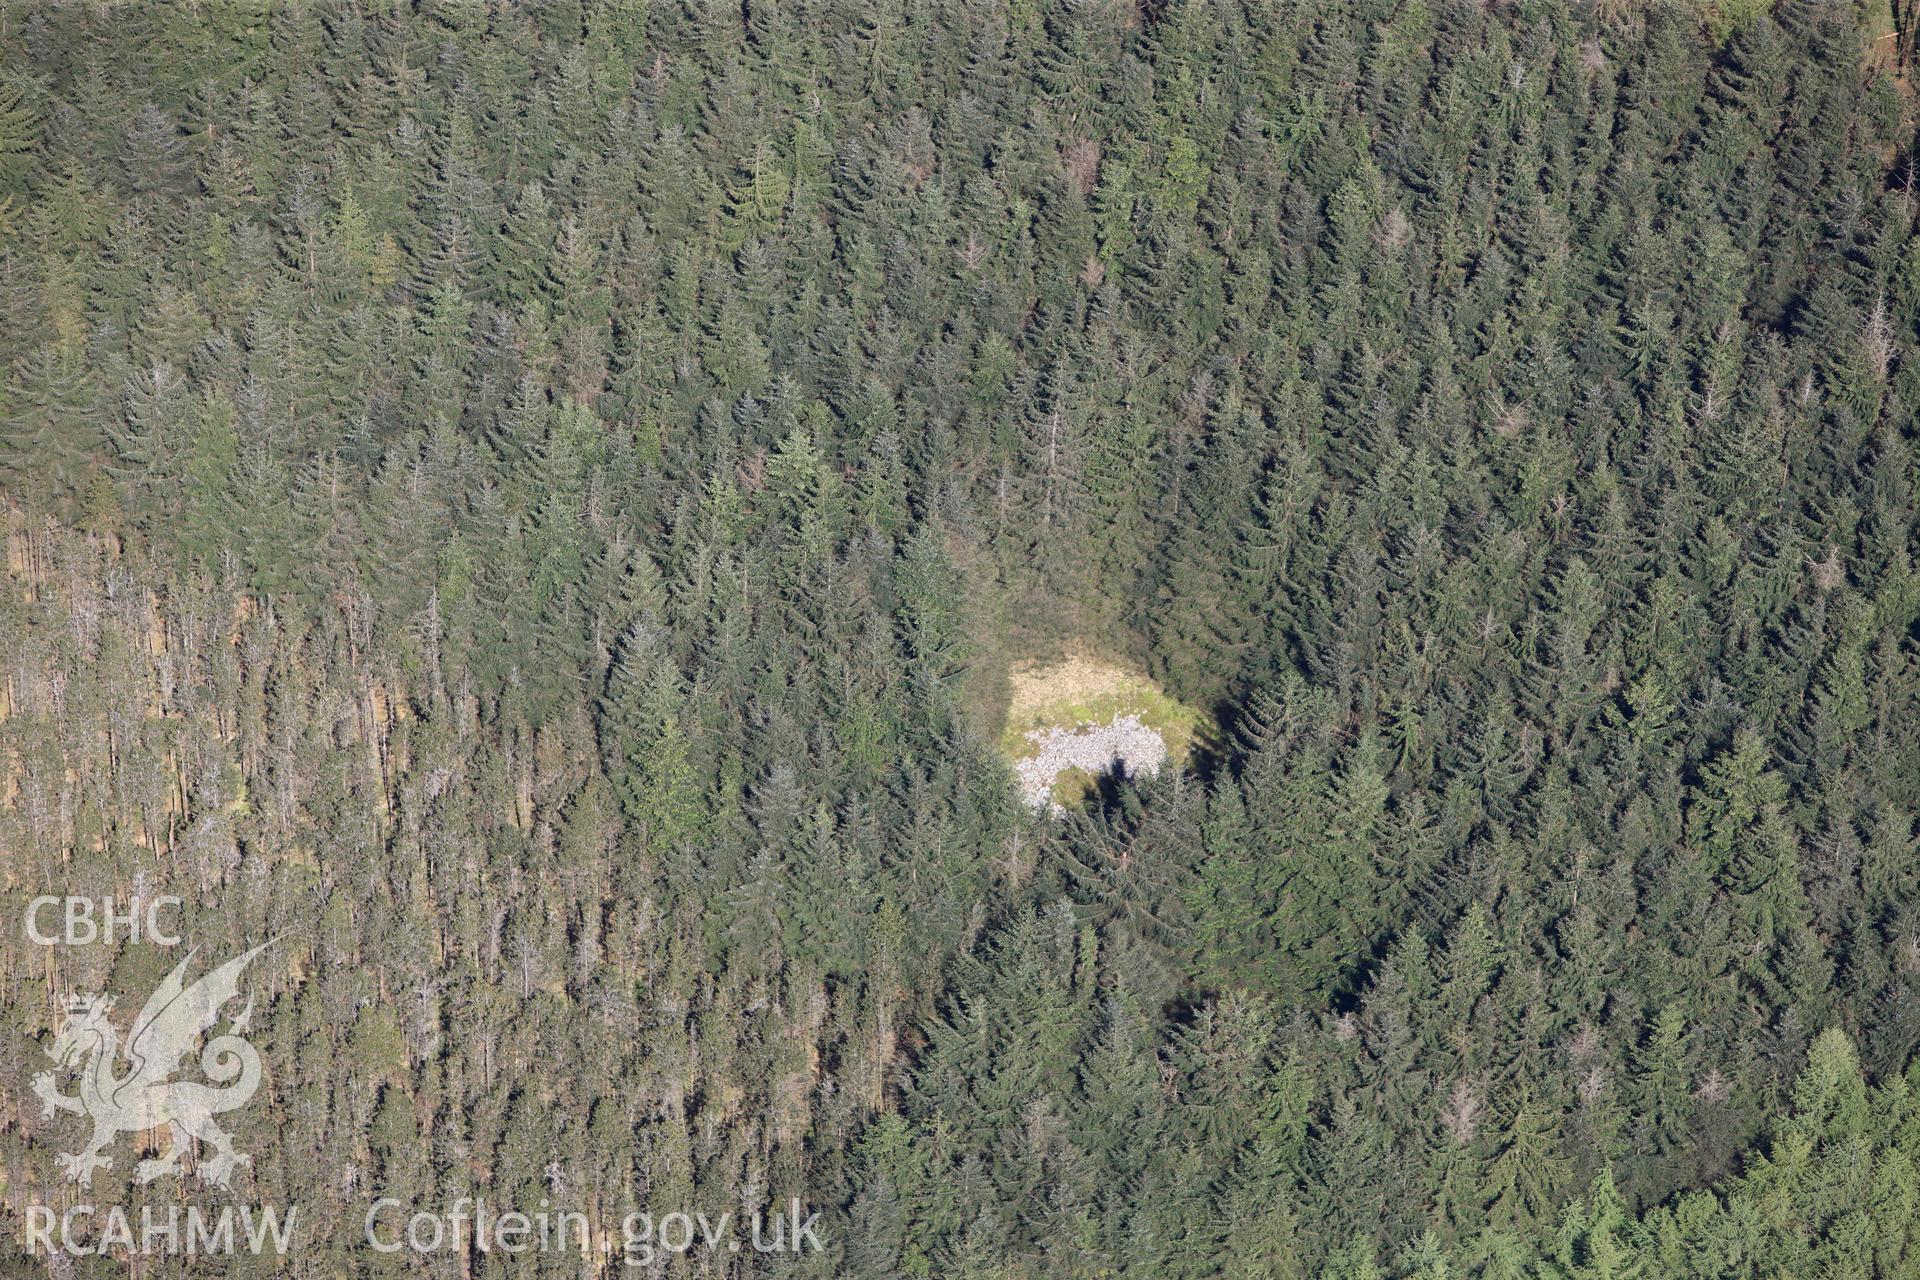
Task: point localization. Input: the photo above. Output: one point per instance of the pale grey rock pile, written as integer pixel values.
(1136, 749)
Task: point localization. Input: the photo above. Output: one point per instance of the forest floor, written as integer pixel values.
(1072, 722)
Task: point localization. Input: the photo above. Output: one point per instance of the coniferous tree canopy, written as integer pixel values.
(532, 507)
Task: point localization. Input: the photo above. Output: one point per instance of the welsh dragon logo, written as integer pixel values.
(167, 1030)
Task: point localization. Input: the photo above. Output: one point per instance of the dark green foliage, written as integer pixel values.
(533, 503)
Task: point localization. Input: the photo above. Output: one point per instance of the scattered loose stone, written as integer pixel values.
(1126, 747)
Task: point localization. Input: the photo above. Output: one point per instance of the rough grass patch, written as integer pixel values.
(1083, 693)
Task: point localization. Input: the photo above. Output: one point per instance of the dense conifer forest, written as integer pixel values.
(531, 507)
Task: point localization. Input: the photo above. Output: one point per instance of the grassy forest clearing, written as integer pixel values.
(537, 536)
(1082, 697)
